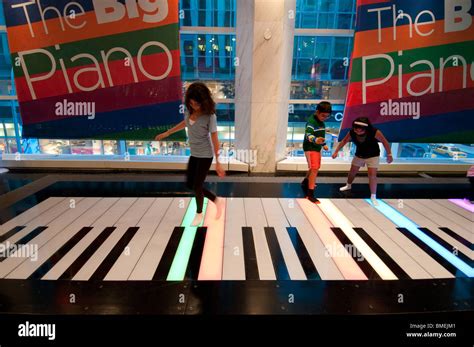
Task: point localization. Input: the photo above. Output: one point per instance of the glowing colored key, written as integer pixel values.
(338, 219)
(343, 260)
(465, 204)
(181, 258)
(213, 252)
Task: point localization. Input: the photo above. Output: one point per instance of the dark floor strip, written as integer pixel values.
(52, 260)
(459, 238)
(10, 233)
(31, 235)
(114, 254)
(387, 259)
(450, 248)
(35, 232)
(279, 265)
(364, 265)
(74, 268)
(447, 265)
(303, 255)
(250, 257)
(194, 262)
(161, 272)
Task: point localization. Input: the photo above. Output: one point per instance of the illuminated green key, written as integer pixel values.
(181, 258)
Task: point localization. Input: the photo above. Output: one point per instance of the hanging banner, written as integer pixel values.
(412, 71)
(96, 69)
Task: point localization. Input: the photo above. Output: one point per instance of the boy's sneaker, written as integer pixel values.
(313, 200)
(304, 186)
(346, 187)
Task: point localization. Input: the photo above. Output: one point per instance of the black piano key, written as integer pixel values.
(114, 254)
(432, 253)
(74, 268)
(10, 233)
(31, 235)
(250, 257)
(163, 268)
(303, 255)
(364, 265)
(279, 265)
(387, 259)
(459, 238)
(52, 260)
(450, 248)
(23, 241)
(194, 262)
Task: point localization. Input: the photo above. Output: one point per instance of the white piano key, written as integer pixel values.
(425, 222)
(53, 238)
(255, 217)
(429, 264)
(455, 208)
(151, 256)
(44, 219)
(104, 214)
(233, 263)
(30, 214)
(325, 266)
(130, 218)
(408, 264)
(124, 265)
(277, 219)
(437, 218)
(450, 217)
(322, 223)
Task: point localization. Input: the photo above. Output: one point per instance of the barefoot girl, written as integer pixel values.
(201, 121)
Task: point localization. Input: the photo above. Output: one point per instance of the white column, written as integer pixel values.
(264, 34)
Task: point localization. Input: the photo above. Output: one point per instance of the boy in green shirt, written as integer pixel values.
(314, 140)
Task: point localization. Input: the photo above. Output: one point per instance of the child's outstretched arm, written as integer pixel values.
(341, 144)
(379, 136)
(168, 132)
(215, 143)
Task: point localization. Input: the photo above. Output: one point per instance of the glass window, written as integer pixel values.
(208, 57)
(325, 74)
(208, 13)
(342, 47)
(325, 14)
(344, 21)
(346, 6)
(326, 20)
(9, 129)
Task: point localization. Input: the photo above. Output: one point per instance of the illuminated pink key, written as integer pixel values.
(465, 204)
(213, 252)
(344, 261)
